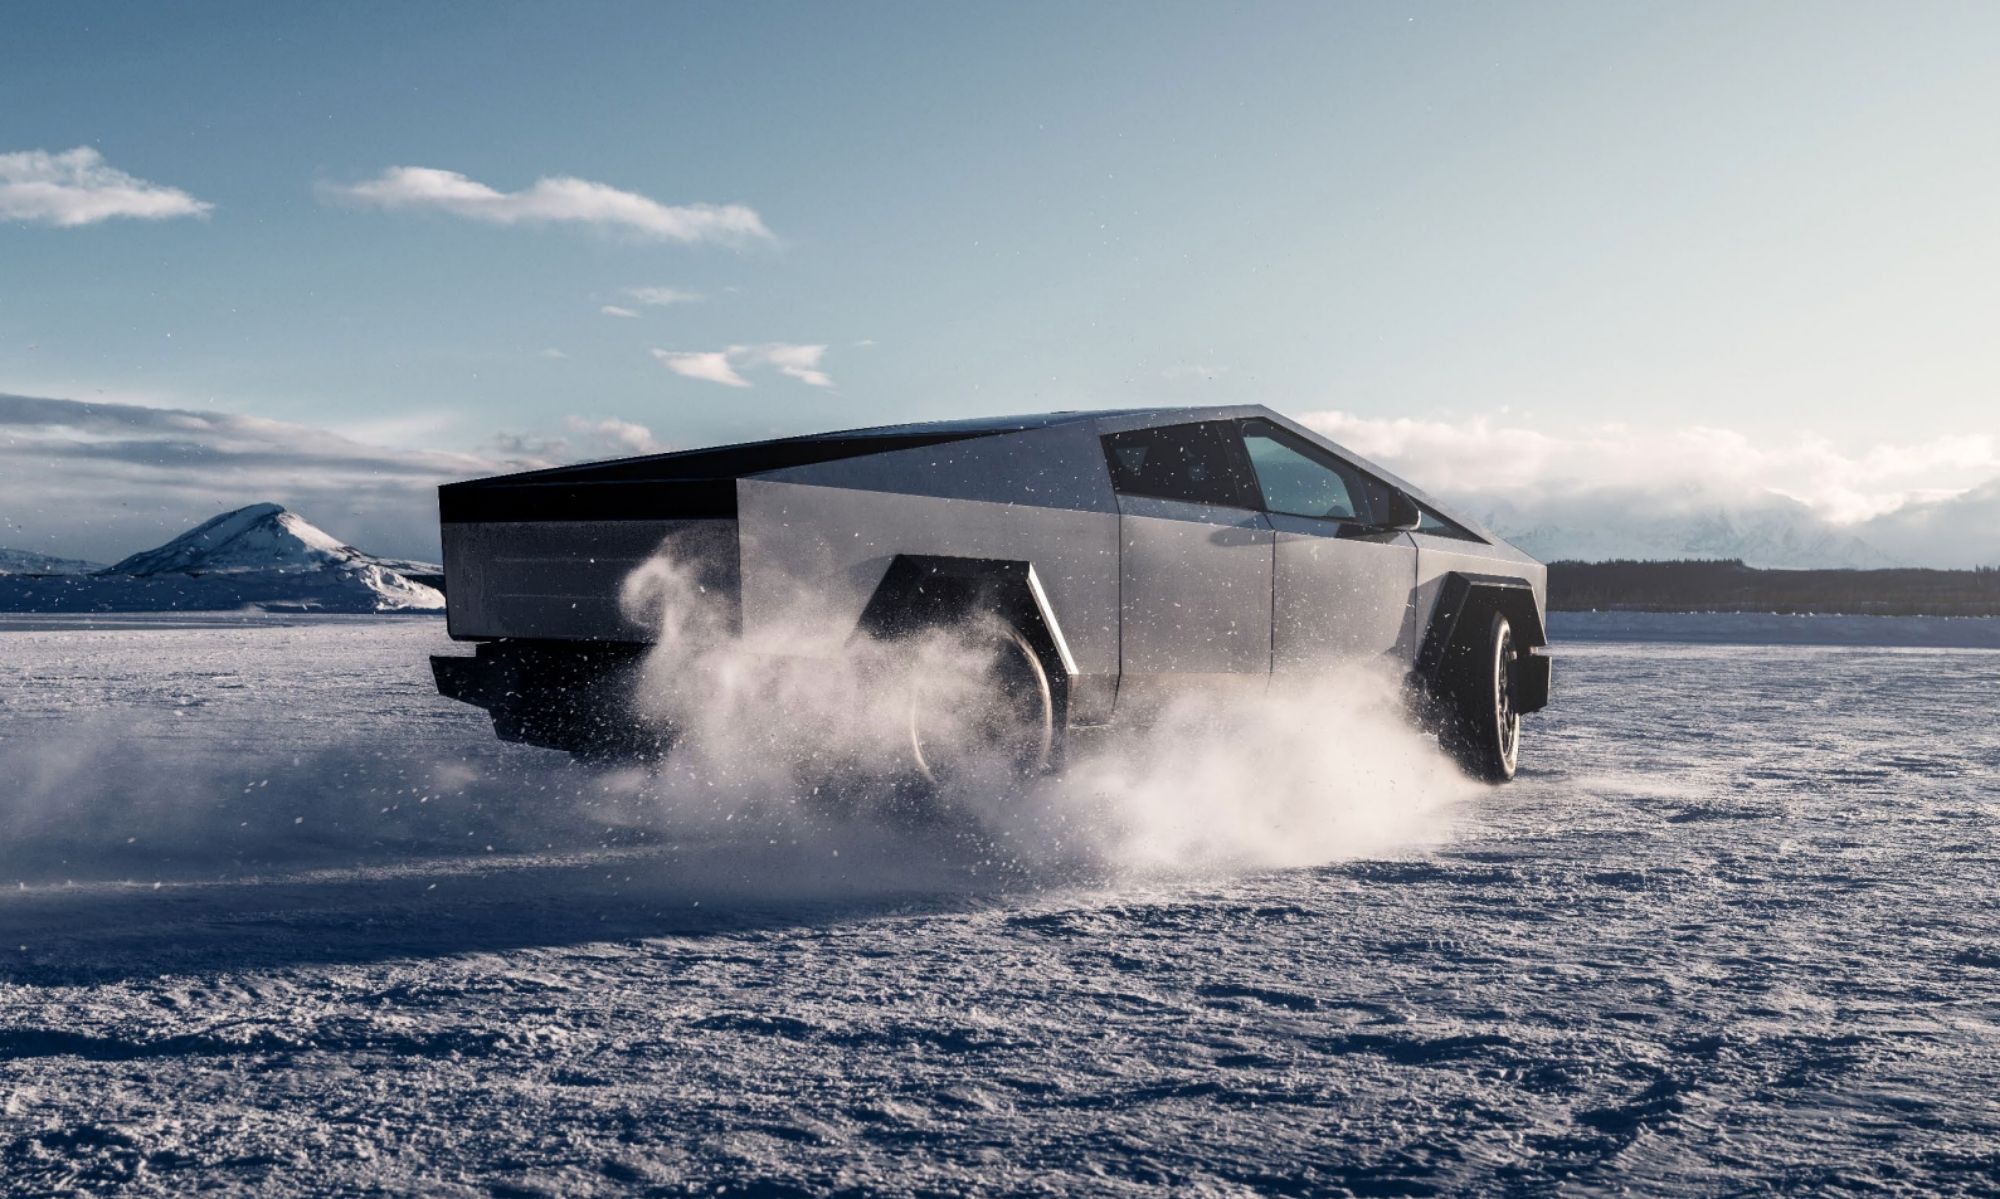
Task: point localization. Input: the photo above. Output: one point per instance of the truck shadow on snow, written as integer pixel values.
(180, 860)
(86, 934)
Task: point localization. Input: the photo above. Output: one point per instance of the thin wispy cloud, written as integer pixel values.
(77, 187)
(553, 200)
(104, 479)
(797, 362)
(615, 310)
(710, 366)
(100, 480)
(596, 436)
(801, 362)
(660, 297)
(586, 438)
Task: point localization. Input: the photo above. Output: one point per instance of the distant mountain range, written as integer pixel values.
(1734, 587)
(1776, 535)
(27, 562)
(262, 556)
(1769, 531)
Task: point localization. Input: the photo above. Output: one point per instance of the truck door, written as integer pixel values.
(1343, 588)
(1194, 561)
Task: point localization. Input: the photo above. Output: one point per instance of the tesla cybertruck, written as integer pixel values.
(1114, 559)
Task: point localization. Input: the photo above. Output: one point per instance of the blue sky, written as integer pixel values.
(1773, 220)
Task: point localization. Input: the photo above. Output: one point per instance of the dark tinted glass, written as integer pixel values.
(1440, 526)
(1197, 464)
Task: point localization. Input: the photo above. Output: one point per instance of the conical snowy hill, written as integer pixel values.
(262, 556)
(260, 537)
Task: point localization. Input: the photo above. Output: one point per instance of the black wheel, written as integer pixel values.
(996, 727)
(1482, 726)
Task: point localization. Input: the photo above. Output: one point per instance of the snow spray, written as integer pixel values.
(802, 715)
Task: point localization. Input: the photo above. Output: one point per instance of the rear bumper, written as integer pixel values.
(576, 697)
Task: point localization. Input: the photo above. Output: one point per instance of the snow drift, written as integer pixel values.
(262, 556)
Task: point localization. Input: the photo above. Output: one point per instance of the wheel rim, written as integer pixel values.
(1007, 730)
(1506, 717)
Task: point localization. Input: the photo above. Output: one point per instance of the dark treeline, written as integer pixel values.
(1730, 586)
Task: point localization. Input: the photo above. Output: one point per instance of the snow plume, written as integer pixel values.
(1311, 770)
(795, 707)
(232, 748)
(799, 719)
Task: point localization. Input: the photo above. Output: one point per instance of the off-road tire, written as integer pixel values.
(1482, 726)
(1011, 735)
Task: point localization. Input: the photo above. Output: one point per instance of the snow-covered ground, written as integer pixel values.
(276, 918)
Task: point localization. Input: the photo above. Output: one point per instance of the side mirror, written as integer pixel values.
(1403, 516)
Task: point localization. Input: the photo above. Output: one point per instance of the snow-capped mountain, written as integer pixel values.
(262, 556)
(28, 562)
(262, 537)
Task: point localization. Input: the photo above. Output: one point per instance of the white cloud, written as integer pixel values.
(588, 438)
(801, 362)
(615, 310)
(76, 188)
(610, 435)
(798, 362)
(1804, 498)
(1959, 531)
(554, 354)
(662, 296)
(105, 479)
(100, 480)
(709, 365)
(554, 200)
(1192, 371)
(1476, 455)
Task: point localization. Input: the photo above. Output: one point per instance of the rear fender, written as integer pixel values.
(922, 591)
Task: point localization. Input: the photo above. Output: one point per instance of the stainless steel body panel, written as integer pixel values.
(1341, 595)
(1149, 593)
(1439, 556)
(1195, 594)
(818, 553)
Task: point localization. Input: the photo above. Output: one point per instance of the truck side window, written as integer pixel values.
(1441, 526)
(1300, 479)
(1196, 464)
